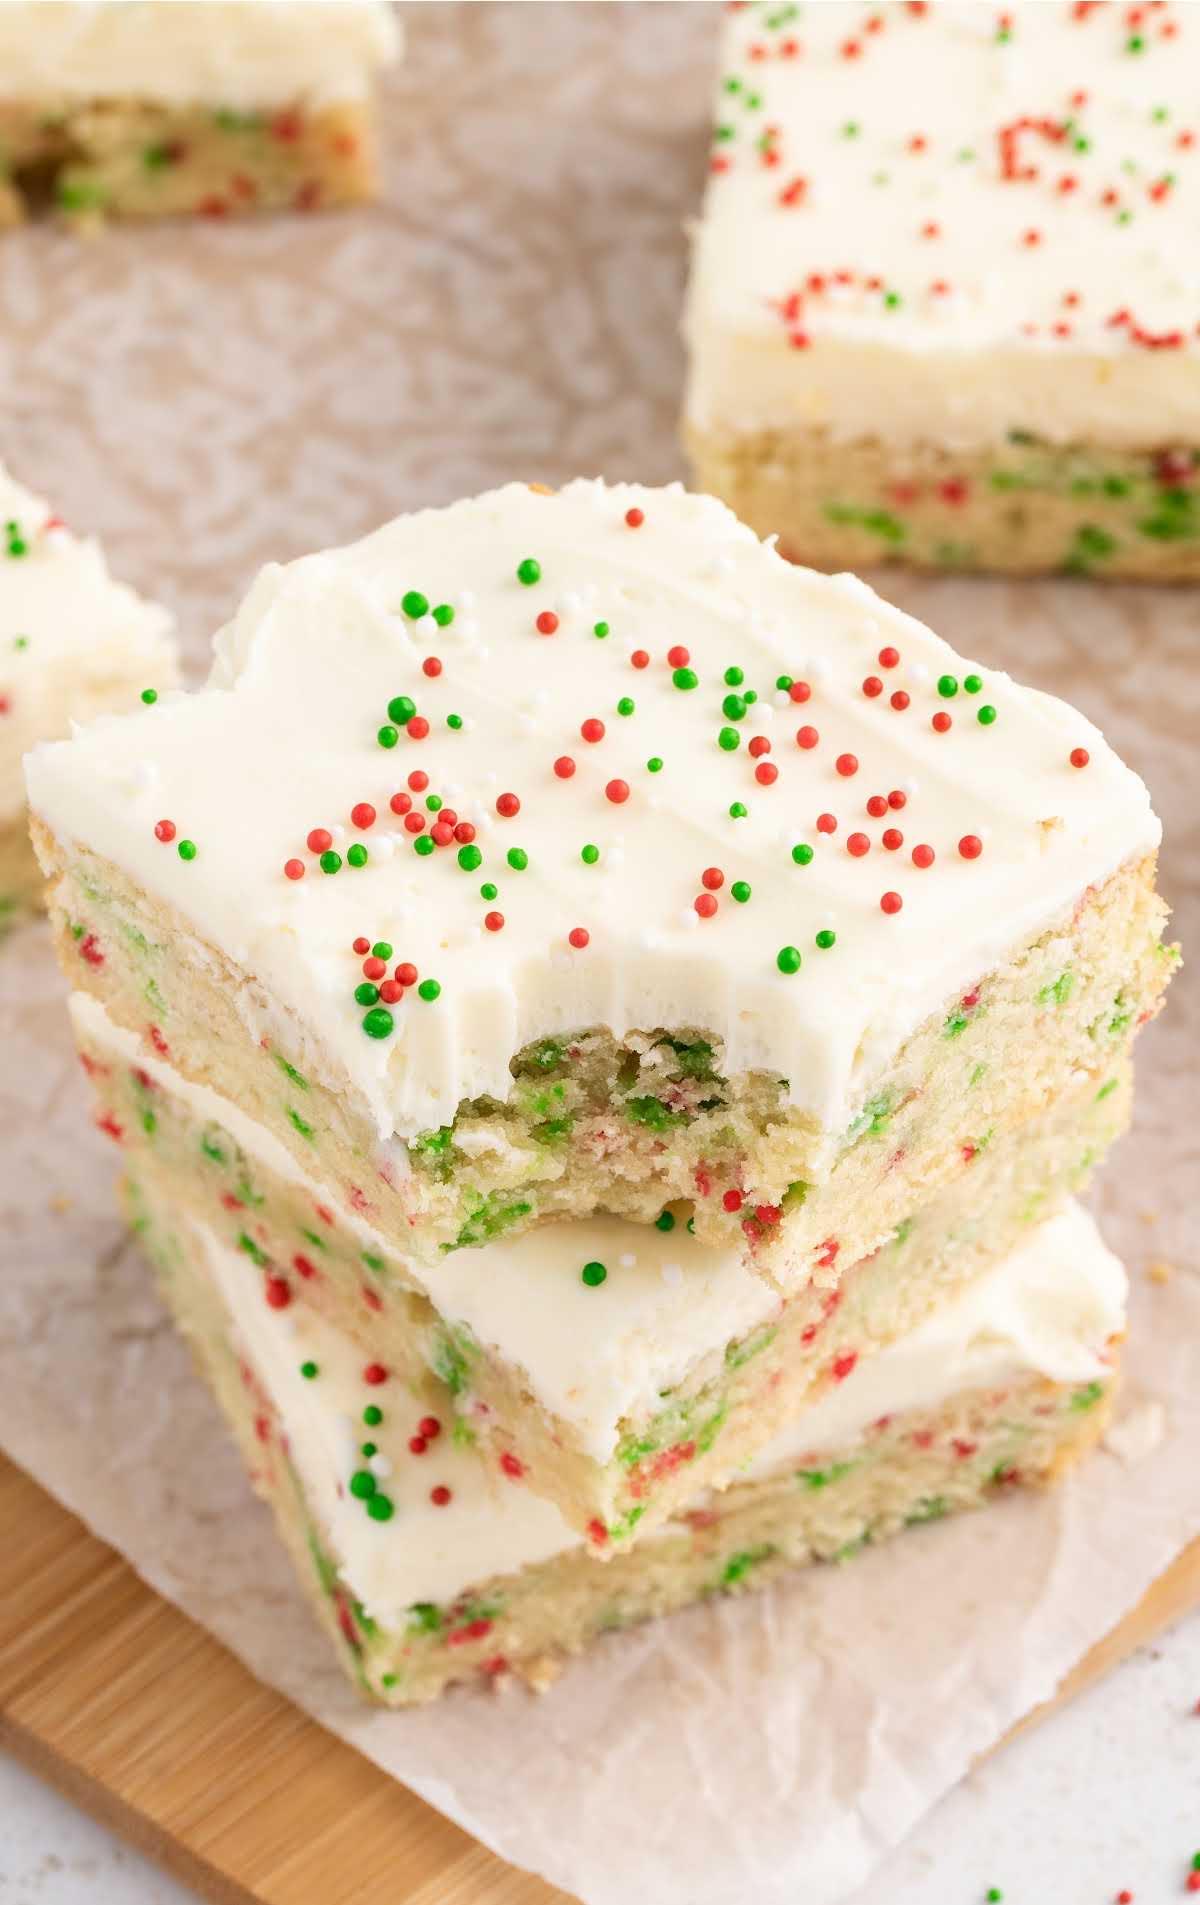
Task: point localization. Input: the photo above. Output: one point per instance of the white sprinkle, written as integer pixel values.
(627, 1259)
(379, 1465)
(672, 1275)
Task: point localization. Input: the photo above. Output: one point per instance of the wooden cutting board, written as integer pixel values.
(137, 1714)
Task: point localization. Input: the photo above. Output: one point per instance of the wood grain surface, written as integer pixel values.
(115, 1697)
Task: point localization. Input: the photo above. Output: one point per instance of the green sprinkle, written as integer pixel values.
(388, 737)
(734, 708)
(625, 705)
(443, 615)
(357, 856)
(517, 859)
(740, 891)
(891, 300)
(738, 810)
(369, 1449)
(654, 764)
(149, 696)
(1135, 44)
(947, 687)
(381, 950)
(380, 1508)
(366, 993)
(187, 849)
(488, 891)
(994, 1895)
(330, 862)
(309, 1370)
(434, 802)
(372, 1415)
(826, 939)
(469, 858)
(600, 630)
(593, 1274)
(788, 959)
(851, 129)
(802, 854)
(529, 572)
(685, 678)
(986, 715)
(665, 1220)
(454, 721)
(423, 844)
(378, 1023)
(729, 739)
(589, 855)
(415, 605)
(750, 695)
(972, 684)
(783, 683)
(362, 1484)
(734, 677)
(401, 710)
(429, 990)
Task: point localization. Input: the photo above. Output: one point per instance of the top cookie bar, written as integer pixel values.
(945, 307)
(549, 853)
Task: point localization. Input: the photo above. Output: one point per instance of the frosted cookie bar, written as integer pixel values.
(554, 853)
(427, 1568)
(614, 1367)
(937, 311)
(73, 643)
(139, 109)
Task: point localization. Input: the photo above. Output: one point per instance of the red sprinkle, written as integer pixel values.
(417, 728)
(617, 792)
(713, 879)
(890, 903)
(579, 937)
(1079, 757)
(872, 686)
(440, 1495)
(799, 691)
(417, 1445)
(766, 773)
(877, 806)
(278, 1292)
(970, 846)
(429, 1427)
(635, 518)
(705, 904)
(941, 722)
(897, 799)
(857, 844)
(564, 767)
(892, 839)
(406, 973)
(888, 657)
(732, 1200)
(375, 1373)
(431, 666)
(807, 737)
(507, 805)
(363, 815)
(679, 656)
(847, 764)
(294, 869)
(592, 729)
(639, 658)
(826, 823)
(547, 622)
(759, 745)
(319, 840)
(391, 992)
(400, 803)
(899, 701)
(512, 1465)
(164, 830)
(414, 822)
(418, 780)
(494, 922)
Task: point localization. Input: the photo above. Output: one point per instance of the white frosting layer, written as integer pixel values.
(237, 53)
(593, 1356)
(72, 641)
(887, 163)
(1048, 1310)
(284, 741)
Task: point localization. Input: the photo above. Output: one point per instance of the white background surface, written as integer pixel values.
(1104, 1795)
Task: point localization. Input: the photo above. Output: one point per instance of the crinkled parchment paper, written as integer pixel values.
(207, 398)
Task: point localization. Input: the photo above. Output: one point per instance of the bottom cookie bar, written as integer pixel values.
(427, 1568)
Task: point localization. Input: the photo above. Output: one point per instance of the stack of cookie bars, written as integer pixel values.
(604, 1028)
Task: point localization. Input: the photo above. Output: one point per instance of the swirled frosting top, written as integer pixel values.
(598, 758)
